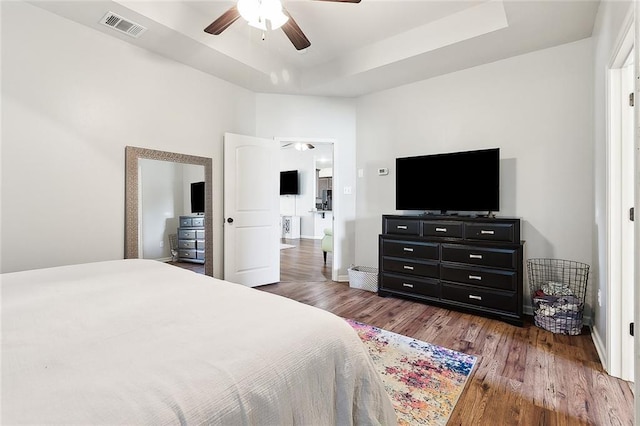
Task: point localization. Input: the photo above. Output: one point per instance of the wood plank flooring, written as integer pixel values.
(524, 376)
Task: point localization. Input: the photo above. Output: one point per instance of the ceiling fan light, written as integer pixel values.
(277, 20)
(303, 146)
(269, 8)
(259, 24)
(258, 12)
(249, 9)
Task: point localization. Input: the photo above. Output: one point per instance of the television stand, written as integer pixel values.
(472, 264)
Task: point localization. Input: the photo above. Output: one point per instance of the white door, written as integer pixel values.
(627, 231)
(251, 210)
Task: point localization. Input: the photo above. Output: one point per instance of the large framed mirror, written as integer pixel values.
(134, 158)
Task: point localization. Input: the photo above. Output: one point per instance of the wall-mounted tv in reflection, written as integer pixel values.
(289, 183)
(197, 197)
(458, 181)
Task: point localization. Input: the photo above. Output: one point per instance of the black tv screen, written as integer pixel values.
(197, 197)
(289, 183)
(457, 181)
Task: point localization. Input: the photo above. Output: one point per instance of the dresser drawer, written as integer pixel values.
(197, 221)
(424, 269)
(490, 231)
(403, 227)
(200, 234)
(495, 278)
(484, 256)
(186, 234)
(410, 249)
(424, 287)
(185, 222)
(200, 244)
(187, 244)
(482, 298)
(200, 254)
(442, 229)
(187, 254)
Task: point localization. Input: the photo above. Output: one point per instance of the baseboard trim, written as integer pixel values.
(600, 348)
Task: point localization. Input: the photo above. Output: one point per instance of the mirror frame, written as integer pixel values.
(131, 235)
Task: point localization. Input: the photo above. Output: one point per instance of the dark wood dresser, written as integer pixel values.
(458, 262)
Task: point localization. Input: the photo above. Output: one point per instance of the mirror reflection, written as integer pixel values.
(168, 205)
(171, 219)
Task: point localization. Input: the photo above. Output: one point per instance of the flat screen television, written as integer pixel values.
(197, 197)
(467, 181)
(289, 183)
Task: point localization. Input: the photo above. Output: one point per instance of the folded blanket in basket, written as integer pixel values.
(556, 289)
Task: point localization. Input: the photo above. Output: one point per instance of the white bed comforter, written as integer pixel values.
(139, 342)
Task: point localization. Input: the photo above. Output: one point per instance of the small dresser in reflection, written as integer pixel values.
(191, 239)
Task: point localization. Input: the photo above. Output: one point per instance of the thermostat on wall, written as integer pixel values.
(382, 171)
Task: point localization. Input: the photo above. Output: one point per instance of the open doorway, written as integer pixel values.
(307, 210)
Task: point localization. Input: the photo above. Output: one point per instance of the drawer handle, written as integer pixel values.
(475, 256)
(407, 249)
(408, 267)
(471, 296)
(441, 229)
(475, 277)
(401, 226)
(484, 232)
(407, 285)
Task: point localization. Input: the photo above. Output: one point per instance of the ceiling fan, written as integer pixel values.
(299, 146)
(258, 12)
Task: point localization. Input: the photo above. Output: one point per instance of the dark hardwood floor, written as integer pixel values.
(304, 262)
(294, 262)
(524, 375)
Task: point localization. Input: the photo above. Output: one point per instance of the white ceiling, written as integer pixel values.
(356, 49)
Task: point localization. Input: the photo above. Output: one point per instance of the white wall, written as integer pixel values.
(319, 117)
(537, 108)
(72, 99)
(609, 22)
(161, 192)
(301, 204)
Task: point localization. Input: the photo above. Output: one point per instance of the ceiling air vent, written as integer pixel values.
(117, 22)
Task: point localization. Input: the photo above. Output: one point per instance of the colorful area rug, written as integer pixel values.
(423, 380)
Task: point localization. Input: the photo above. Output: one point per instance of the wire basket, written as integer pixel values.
(363, 277)
(558, 289)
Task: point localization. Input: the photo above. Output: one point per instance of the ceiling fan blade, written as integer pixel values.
(223, 22)
(294, 33)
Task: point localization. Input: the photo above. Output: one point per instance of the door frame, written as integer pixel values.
(636, 57)
(616, 325)
(336, 196)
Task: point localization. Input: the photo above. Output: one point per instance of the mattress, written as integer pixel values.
(142, 342)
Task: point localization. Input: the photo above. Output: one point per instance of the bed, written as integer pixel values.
(140, 342)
